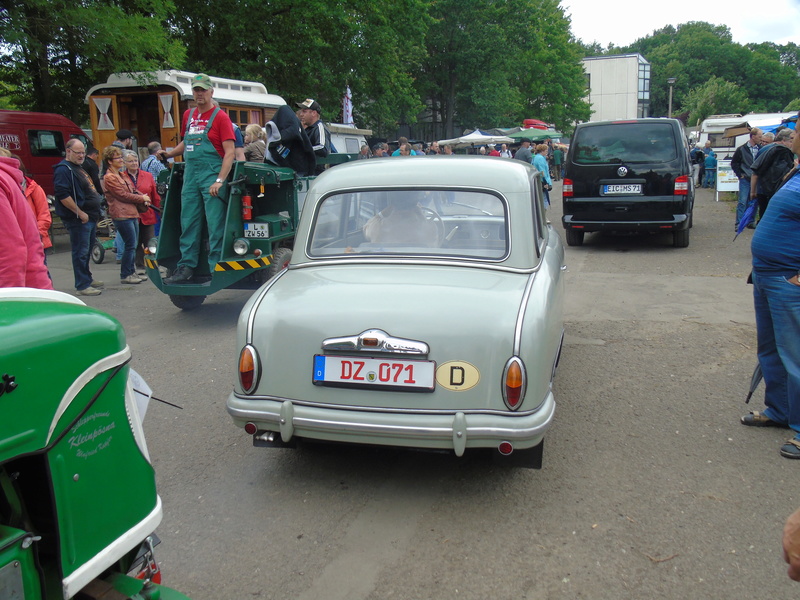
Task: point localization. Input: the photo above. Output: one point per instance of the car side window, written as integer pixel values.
(538, 212)
(44, 142)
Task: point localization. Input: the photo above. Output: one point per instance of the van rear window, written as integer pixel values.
(625, 143)
(45, 142)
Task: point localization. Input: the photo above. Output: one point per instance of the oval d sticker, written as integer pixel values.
(457, 376)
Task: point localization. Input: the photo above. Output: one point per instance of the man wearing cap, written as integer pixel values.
(124, 139)
(309, 113)
(208, 149)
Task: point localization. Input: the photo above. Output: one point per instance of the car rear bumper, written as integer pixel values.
(440, 430)
(677, 222)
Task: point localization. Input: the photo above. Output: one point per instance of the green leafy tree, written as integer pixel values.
(793, 105)
(696, 51)
(716, 96)
(56, 50)
(495, 62)
(314, 50)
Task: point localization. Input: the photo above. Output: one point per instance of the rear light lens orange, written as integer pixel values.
(566, 188)
(682, 185)
(248, 369)
(514, 383)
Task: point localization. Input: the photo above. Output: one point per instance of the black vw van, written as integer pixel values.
(628, 176)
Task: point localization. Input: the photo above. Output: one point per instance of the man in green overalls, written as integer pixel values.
(208, 149)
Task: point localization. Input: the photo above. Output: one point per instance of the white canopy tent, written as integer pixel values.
(476, 138)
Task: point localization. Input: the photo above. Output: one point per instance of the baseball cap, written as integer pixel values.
(202, 80)
(310, 103)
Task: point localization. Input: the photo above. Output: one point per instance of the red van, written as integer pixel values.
(38, 140)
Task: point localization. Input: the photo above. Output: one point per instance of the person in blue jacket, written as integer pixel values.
(710, 179)
(540, 162)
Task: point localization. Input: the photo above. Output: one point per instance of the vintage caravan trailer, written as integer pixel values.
(151, 105)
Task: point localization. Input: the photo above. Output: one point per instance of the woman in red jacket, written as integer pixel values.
(146, 184)
(123, 198)
(37, 200)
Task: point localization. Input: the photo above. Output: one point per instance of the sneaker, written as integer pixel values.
(181, 275)
(131, 279)
(141, 271)
(89, 291)
(97, 284)
(119, 261)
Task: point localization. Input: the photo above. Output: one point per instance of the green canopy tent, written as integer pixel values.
(535, 135)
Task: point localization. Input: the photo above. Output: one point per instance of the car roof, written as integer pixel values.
(502, 174)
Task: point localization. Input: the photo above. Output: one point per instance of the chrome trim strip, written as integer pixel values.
(523, 307)
(254, 309)
(386, 344)
(318, 262)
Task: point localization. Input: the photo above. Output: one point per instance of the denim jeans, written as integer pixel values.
(81, 238)
(744, 199)
(128, 230)
(777, 305)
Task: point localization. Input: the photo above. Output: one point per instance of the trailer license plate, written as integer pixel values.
(256, 230)
(622, 188)
(350, 371)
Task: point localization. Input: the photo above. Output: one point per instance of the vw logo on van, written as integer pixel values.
(622, 171)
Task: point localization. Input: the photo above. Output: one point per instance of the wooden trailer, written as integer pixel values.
(151, 105)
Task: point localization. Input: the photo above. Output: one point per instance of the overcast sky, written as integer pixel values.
(623, 22)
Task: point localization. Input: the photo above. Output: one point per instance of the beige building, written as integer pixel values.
(619, 86)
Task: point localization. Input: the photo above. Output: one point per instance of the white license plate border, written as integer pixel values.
(605, 186)
(253, 227)
(375, 386)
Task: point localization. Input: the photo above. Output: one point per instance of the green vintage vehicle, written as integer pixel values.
(78, 501)
(422, 308)
(263, 204)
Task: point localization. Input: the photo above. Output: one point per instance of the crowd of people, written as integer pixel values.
(761, 164)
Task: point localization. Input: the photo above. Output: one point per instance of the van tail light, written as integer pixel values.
(249, 370)
(682, 185)
(514, 381)
(566, 188)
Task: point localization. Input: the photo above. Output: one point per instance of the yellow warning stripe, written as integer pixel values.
(241, 265)
(150, 263)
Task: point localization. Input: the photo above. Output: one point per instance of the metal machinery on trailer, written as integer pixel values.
(263, 209)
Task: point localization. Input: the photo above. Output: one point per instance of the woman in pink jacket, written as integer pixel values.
(123, 198)
(21, 250)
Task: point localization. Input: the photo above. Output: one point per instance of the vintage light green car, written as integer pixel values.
(422, 308)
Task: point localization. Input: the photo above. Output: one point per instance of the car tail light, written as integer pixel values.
(566, 188)
(682, 185)
(514, 383)
(248, 369)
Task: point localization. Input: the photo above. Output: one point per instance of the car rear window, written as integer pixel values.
(616, 143)
(416, 222)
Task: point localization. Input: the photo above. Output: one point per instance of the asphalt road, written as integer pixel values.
(650, 488)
